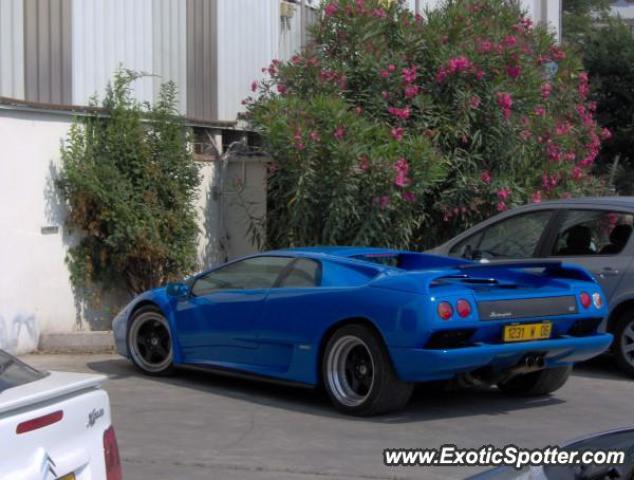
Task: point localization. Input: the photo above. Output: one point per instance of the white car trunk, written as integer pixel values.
(54, 427)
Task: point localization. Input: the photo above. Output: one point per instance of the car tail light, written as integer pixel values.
(597, 300)
(111, 454)
(39, 422)
(444, 310)
(464, 308)
(586, 301)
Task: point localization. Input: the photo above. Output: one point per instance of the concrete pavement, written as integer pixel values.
(199, 425)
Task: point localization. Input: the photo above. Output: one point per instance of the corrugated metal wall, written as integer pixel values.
(246, 43)
(12, 48)
(169, 23)
(202, 59)
(47, 51)
(107, 34)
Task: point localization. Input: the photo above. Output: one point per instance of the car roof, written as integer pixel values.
(614, 201)
(346, 252)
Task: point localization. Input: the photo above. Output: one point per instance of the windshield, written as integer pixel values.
(14, 373)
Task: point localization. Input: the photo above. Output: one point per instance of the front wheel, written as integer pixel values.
(358, 374)
(537, 383)
(623, 346)
(150, 342)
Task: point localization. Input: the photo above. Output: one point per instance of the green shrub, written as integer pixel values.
(129, 181)
(395, 129)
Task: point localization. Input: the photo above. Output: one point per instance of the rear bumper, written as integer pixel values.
(420, 365)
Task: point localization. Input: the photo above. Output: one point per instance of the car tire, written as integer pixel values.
(358, 375)
(149, 342)
(623, 344)
(537, 383)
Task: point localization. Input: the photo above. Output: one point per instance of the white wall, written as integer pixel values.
(35, 292)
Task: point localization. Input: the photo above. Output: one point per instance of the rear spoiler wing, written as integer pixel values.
(486, 272)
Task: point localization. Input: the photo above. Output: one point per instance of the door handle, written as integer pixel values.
(609, 272)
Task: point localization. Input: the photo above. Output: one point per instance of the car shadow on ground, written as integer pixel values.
(432, 401)
(601, 367)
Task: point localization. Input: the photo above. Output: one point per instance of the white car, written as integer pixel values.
(54, 425)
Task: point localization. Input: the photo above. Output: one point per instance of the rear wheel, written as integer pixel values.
(150, 342)
(537, 383)
(358, 374)
(623, 345)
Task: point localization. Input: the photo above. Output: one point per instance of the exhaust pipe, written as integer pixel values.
(530, 362)
(540, 362)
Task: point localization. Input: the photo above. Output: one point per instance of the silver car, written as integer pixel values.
(593, 232)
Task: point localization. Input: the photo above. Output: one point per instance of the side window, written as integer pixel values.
(465, 248)
(305, 273)
(250, 274)
(515, 237)
(592, 232)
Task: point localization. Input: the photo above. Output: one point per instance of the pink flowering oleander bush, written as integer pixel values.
(394, 129)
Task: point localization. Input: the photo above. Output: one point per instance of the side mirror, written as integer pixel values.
(177, 290)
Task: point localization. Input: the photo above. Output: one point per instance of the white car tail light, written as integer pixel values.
(597, 300)
(111, 454)
(39, 422)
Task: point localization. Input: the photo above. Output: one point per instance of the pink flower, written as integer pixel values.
(364, 164)
(282, 89)
(562, 128)
(546, 90)
(606, 134)
(480, 74)
(384, 73)
(501, 206)
(412, 91)
(391, 68)
(401, 113)
(503, 194)
(340, 133)
(314, 136)
(409, 197)
(505, 102)
(486, 177)
(331, 9)
(379, 13)
(402, 172)
(409, 74)
(549, 181)
(382, 201)
(397, 133)
(458, 64)
(539, 110)
(254, 85)
(577, 173)
(537, 197)
(557, 53)
(474, 102)
(509, 41)
(484, 46)
(513, 71)
(525, 134)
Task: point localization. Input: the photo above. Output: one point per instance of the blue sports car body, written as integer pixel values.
(272, 314)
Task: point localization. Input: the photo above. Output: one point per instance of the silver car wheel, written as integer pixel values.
(627, 342)
(350, 371)
(150, 343)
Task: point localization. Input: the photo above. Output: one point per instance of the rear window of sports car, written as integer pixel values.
(388, 260)
(14, 373)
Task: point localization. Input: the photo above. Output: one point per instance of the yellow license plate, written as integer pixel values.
(528, 331)
(70, 476)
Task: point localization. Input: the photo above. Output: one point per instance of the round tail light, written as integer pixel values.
(586, 301)
(464, 308)
(444, 310)
(597, 300)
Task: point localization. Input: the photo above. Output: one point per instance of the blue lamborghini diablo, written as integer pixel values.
(368, 323)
